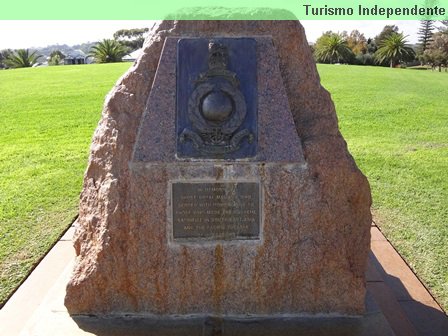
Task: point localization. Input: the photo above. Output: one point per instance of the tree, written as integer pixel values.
(131, 38)
(385, 33)
(56, 57)
(394, 49)
(332, 48)
(356, 41)
(4, 54)
(371, 46)
(444, 28)
(437, 52)
(425, 34)
(22, 58)
(108, 51)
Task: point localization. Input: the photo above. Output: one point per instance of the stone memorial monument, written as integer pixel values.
(219, 184)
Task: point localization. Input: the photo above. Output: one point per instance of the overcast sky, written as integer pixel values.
(26, 34)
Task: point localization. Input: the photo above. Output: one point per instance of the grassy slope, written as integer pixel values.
(47, 116)
(396, 124)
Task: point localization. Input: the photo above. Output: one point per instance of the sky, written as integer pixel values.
(41, 33)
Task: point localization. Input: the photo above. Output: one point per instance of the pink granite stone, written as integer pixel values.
(315, 205)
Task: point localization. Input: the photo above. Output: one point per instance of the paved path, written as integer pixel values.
(401, 305)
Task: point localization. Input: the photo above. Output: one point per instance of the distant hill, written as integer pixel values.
(66, 49)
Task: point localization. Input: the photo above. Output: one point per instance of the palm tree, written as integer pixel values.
(394, 49)
(22, 59)
(108, 51)
(56, 57)
(333, 48)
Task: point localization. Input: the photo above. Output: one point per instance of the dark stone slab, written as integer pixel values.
(367, 325)
(216, 211)
(372, 323)
(216, 98)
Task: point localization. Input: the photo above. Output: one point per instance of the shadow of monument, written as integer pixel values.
(401, 309)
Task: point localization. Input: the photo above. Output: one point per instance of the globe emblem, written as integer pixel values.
(216, 109)
(217, 106)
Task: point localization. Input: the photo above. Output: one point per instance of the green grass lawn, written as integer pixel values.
(395, 122)
(47, 118)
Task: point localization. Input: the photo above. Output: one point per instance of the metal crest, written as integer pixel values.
(216, 108)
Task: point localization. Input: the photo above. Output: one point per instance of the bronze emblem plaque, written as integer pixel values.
(216, 98)
(216, 210)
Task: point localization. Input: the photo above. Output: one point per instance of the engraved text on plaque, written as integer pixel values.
(216, 210)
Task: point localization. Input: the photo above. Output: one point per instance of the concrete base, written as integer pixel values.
(371, 324)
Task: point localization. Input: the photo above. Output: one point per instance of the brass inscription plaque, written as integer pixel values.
(216, 210)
